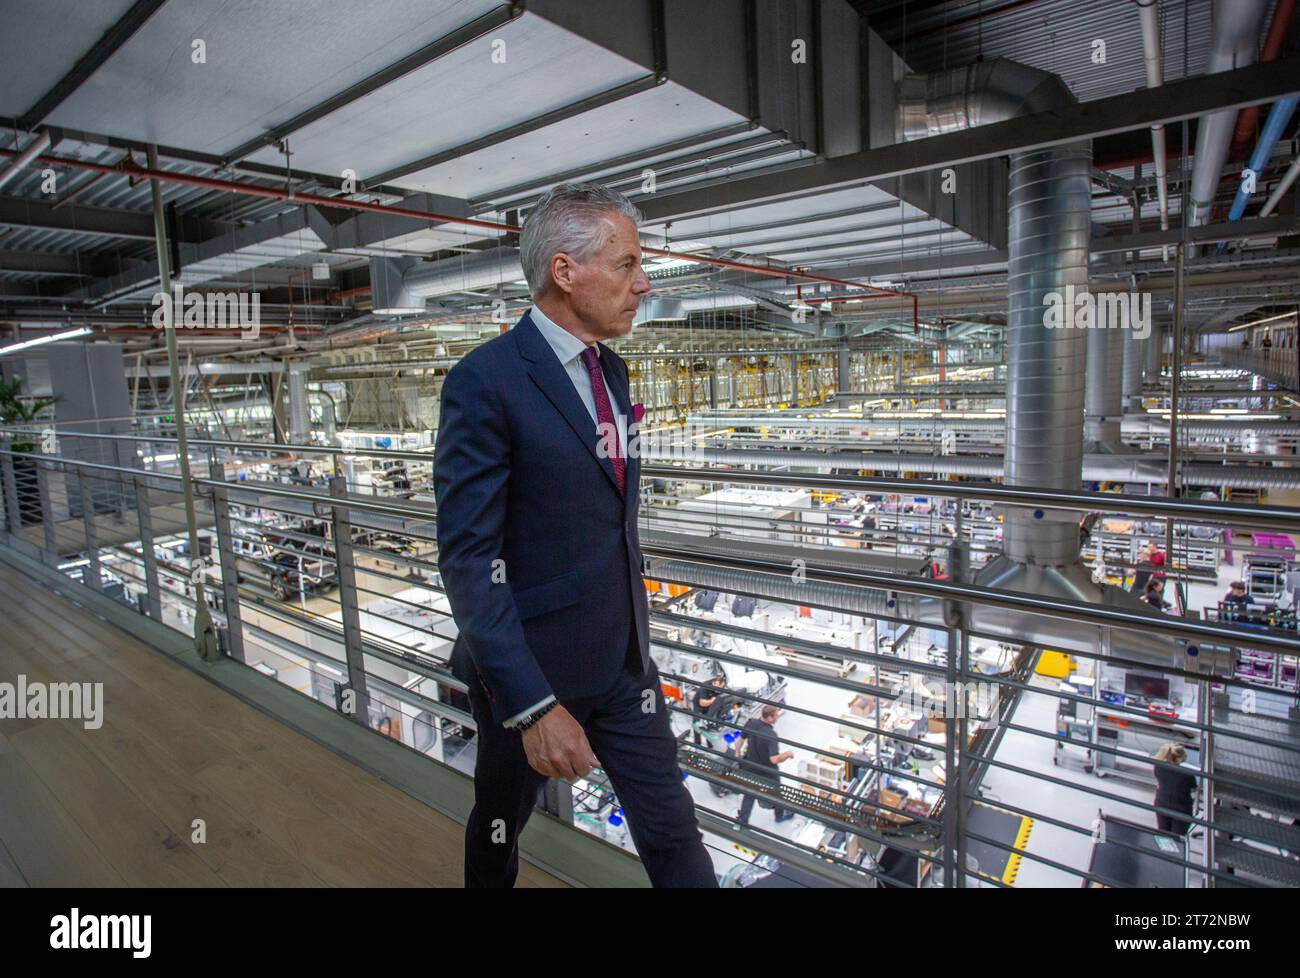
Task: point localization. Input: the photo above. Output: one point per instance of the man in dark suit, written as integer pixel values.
(536, 484)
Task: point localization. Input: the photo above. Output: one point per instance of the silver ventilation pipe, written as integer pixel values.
(1235, 44)
(1131, 387)
(1149, 14)
(496, 266)
(1154, 352)
(401, 285)
(35, 148)
(1103, 395)
(1049, 211)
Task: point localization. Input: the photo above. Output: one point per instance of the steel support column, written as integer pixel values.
(351, 613)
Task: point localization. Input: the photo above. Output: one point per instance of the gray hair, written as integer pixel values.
(563, 220)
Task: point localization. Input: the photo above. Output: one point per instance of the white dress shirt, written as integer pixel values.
(568, 349)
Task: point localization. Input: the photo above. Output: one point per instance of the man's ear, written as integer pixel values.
(562, 269)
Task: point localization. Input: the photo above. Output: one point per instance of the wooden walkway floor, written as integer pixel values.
(115, 806)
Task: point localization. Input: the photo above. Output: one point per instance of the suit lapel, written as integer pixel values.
(546, 372)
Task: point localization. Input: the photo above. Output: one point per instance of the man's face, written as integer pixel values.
(606, 291)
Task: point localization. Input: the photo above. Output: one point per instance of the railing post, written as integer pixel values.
(226, 555)
(145, 518)
(91, 575)
(13, 515)
(955, 729)
(346, 571)
(951, 765)
(47, 514)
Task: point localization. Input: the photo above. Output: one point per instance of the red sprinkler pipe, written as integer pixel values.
(134, 170)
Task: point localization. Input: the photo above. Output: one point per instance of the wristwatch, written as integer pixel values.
(532, 718)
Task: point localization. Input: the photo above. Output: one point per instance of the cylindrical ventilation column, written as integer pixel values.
(1048, 221)
(1048, 231)
(299, 408)
(1104, 392)
(1154, 351)
(1134, 354)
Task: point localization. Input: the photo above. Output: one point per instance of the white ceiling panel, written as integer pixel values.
(267, 61)
(41, 40)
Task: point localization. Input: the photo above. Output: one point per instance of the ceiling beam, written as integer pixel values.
(1258, 227)
(49, 263)
(23, 212)
(1174, 101)
(103, 49)
(301, 177)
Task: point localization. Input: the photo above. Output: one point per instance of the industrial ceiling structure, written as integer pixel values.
(469, 110)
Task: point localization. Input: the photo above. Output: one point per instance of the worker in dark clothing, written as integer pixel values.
(1174, 789)
(1236, 594)
(1151, 564)
(706, 698)
(762, 757)
(1154, 594)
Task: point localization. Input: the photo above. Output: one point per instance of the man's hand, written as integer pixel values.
(557, 746)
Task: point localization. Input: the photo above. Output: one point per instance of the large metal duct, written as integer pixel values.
(35, 148)
(1049, 211)
(1103, 394)
(299, 408)
(1235, 44)
(1131, 386)
(402, 285)
(1155, 345)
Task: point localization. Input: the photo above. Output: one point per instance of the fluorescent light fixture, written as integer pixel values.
(1261, 322)
(70, 334)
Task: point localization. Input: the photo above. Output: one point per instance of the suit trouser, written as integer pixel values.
(638, 751)
(747, 807)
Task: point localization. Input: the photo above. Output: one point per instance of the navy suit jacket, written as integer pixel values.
(538, 550)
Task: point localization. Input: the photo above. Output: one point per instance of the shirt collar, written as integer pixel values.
(566, 346)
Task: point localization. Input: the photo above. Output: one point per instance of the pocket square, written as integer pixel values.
(638, 412)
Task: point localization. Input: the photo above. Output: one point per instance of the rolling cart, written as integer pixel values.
(1074, 721)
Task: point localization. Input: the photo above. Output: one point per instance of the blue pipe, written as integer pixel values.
(1278, 119)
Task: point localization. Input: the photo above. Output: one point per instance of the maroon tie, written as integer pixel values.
(605, 414)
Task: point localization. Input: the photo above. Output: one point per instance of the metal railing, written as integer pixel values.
(927, 746)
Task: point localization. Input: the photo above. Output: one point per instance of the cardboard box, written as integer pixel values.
(863, 705)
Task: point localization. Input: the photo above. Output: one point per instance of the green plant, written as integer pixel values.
(17, 410)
